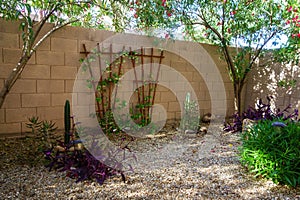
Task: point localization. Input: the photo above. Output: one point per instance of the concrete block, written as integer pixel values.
(12, 101)
(19, 115)
(178, 115)
(217, 86)
(35, 100)
(1, 83)
(13, 56)
(1, 53)
(167, 76)
(9, 26)
(188, 75)
(5, 70)
(51, 113)
(161, 88)
(167, 96)
(171, 115)
(50, 86)
(205, 104)
(90, 45)
(62, 44)
(50, 58)
(228, 86)
(195, 86)
(45, 45)
(59, 99)
(24, 129)
(179, 66)
(9, 40)
(24, 86)
(63, 72)
(69, 84)
(174, 106)
(36, 72)
(280, 101)
(157, 97)
(229, 94)
(73, 59)
(86, 99)
(197, 77)
(60, 124)
(10, 128)
(2, 116)
(179, 86)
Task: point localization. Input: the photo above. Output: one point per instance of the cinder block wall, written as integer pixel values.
(48, 78)
(264, 81)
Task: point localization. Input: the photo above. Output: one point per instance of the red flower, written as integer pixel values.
(295, 18)
(135, 15)
(169, 13)
(298, 35)
(229, 30)
(293, 35)
(288, 22)
(163, 3)
(290, 9)
(233, 12)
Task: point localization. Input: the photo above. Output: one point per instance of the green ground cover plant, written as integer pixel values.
(271, 149)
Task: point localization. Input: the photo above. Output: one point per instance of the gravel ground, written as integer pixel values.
(179, 166)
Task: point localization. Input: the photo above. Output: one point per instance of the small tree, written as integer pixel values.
(33, 16)
(242, 29)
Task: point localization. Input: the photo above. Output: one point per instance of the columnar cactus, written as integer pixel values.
(67, 122)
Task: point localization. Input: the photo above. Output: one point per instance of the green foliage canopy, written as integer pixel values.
(33, 15)
(243, 29)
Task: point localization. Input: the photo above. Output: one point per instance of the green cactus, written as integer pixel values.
(67, 122)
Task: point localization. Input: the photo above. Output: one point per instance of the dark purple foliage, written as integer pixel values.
(80, 164)
(262, 112)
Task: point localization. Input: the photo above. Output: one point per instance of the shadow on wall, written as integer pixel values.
(282, 82)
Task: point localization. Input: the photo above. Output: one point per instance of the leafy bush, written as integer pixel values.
(271, 149)
(262, 111)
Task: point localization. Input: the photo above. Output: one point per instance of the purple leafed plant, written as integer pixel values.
(80, 164)
(262, 111)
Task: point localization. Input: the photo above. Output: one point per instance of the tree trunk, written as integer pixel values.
(237, 98)
(13, 76)
(238, 88)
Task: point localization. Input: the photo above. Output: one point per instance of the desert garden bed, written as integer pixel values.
(178, 166)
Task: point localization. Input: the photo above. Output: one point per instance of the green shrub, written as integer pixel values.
(271, 149)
